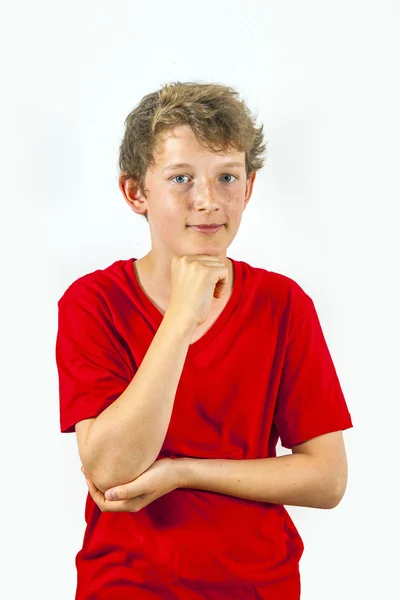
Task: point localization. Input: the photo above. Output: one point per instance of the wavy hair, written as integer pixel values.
(217, 116)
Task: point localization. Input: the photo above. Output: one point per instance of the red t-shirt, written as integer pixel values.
(262, 371)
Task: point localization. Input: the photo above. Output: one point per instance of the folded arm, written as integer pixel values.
(315, 475)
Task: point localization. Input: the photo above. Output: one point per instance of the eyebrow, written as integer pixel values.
(232, 163)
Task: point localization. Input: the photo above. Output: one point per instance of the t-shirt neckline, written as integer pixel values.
(216, 327)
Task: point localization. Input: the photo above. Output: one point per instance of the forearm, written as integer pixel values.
(126, 438)
(293, 479)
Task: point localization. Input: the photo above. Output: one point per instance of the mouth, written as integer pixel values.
(205, 228)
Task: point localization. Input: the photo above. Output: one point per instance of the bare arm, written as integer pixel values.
(314, 475)
(294, 479)
(126, 438)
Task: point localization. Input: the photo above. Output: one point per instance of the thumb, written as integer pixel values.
(118, 493)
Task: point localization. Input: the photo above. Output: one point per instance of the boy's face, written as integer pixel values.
(206, 192)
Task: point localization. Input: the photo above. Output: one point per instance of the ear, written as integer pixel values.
(249, 187)
(132, 194)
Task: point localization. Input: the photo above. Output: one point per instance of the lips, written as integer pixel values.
(206, 228)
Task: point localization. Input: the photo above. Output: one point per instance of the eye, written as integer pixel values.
(229, 175)
(225, 175)
(172, 178)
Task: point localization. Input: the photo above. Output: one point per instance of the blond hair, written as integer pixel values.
(214, 112)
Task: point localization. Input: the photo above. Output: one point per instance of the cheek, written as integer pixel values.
(172, 218)
(235, 203)
(171, 204)
(180, 202)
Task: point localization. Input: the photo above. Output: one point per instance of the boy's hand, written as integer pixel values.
(164, 476)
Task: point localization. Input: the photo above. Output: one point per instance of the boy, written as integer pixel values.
(180, 370)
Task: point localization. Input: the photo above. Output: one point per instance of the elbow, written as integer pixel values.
(96, 475)
(106, 477)
(102, 475)
(109, 468)
(335, 497)
(101, 483)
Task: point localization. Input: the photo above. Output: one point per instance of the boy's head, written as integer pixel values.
(206, 126)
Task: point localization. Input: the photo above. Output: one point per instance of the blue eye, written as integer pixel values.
(226, 174)
(178, 176)
(229, 175)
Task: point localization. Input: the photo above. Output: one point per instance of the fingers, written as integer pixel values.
(115, 494)
(94, 492)
(102, 503)
(122, 502)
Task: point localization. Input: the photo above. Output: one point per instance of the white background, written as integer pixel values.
(323, 77)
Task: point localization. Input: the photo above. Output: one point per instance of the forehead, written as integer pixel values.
(180, 145)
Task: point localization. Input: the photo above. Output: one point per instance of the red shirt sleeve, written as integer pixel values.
(310, 400)
(92, 372)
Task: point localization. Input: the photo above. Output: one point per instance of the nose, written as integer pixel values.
(205, 197)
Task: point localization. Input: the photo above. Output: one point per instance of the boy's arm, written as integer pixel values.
(126, 438)
(315, 475)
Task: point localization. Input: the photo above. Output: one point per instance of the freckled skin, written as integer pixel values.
(203, 195)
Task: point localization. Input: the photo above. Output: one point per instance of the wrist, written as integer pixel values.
(183, 470)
